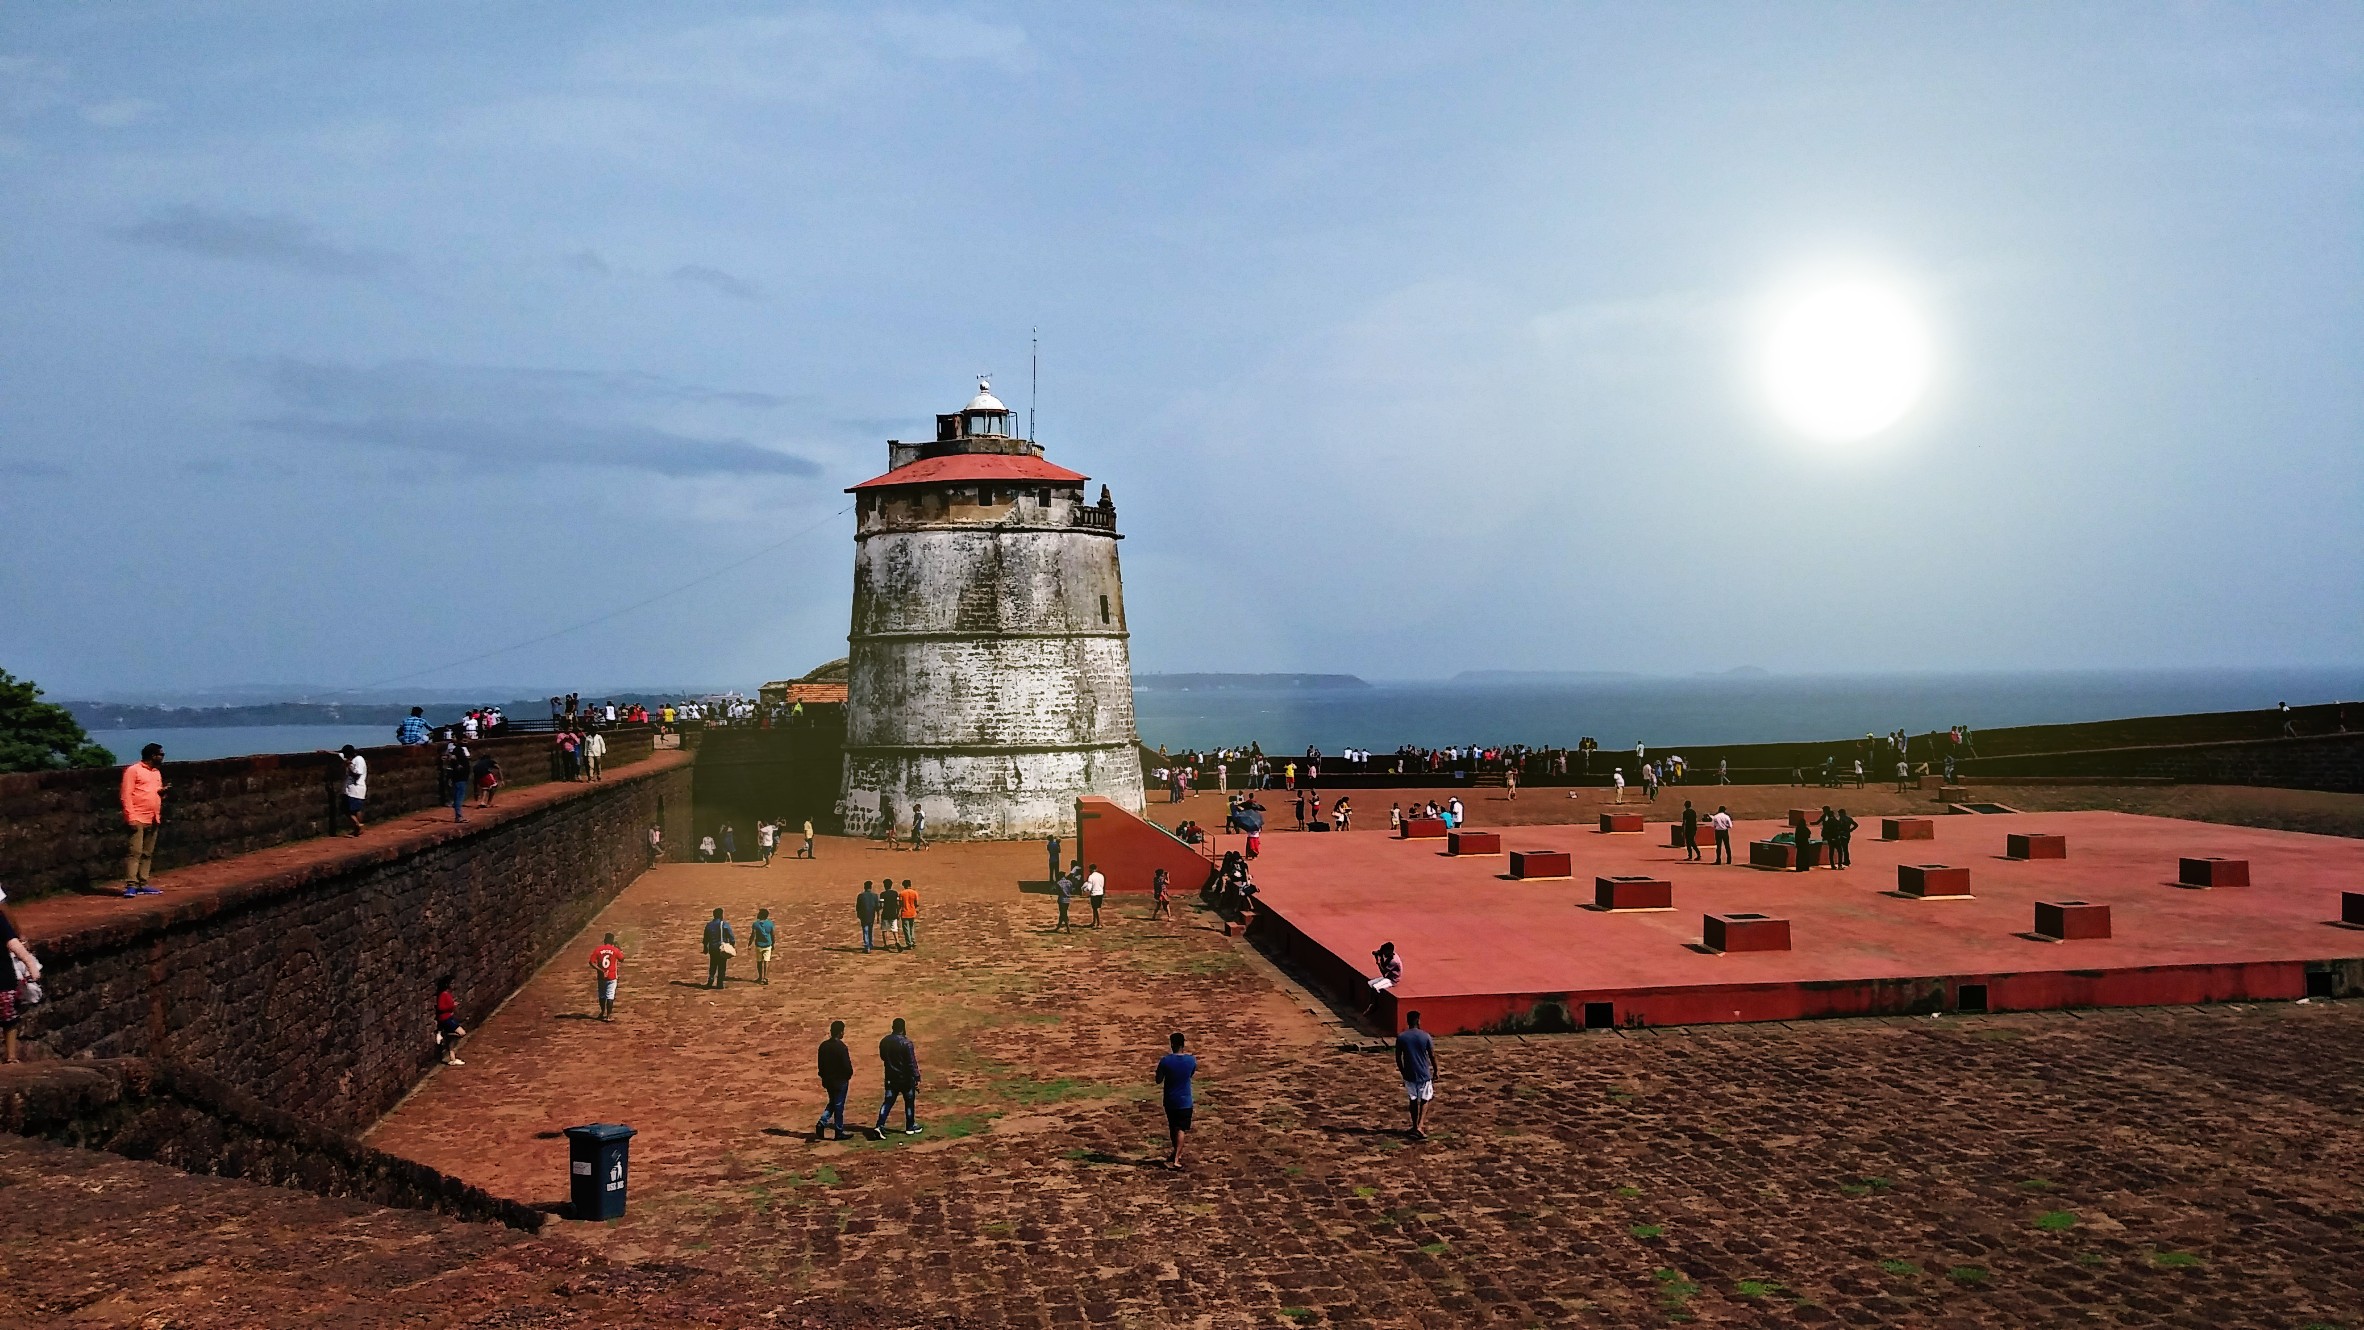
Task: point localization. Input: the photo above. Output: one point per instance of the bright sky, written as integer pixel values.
(334, 346)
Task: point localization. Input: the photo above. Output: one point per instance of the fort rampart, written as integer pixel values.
(63, 830)
(305, 975)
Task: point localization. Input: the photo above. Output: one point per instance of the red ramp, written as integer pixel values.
(1130, 849)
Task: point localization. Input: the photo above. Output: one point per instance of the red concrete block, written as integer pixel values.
(1621, 822)
(1474, 842)
(1783, 854)
(1534, 864)
(2213, 872)
(2070, 921)
(1932, 880)
(1674, 835)
(1423, 828)
(2035, 845)
(1632, 893)
(1804, 817)
(1744, 932)
(2351, 908)
(1908, 828)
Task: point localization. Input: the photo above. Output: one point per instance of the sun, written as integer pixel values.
(1846, 360)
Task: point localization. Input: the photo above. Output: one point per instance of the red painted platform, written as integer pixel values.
(1473, 842)
(1857, 949)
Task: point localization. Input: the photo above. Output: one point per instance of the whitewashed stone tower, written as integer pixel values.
(990, 680)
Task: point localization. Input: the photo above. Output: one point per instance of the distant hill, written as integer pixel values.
(1539, 676)
(1188, 683)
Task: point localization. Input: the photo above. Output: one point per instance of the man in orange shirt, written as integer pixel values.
(143, 812)
(910, 903)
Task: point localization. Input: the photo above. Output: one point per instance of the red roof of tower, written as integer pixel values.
(968, 468)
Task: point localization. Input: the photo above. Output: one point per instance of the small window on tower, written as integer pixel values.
(1043, 497)
(1103, 609)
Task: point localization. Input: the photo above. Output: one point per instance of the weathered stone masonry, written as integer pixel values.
(313, 989)
(990, 677)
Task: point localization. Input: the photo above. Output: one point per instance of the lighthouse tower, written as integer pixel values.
(989, 679)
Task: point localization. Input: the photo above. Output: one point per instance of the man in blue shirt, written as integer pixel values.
(718, 936)
(1174, 1071)
(760, 934)
(1415, 1058)
(413, 729)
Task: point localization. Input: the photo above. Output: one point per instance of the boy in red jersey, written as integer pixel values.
(607, 961)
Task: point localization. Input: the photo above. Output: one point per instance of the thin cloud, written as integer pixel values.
(587, 261)
(119, 112)
(715, 279)
(280, 242)
(525, 443)
(510, 418)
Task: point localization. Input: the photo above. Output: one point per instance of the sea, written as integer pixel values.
(1616, 711)
(1669, 712)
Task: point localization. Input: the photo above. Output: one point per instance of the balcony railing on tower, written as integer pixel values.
(1098, 519)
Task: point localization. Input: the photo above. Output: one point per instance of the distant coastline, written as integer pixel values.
(1199, 683)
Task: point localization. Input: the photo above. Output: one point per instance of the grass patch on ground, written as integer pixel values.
(1300, 1315)
(1648, 1231)
(2174, 1260)
(1436, 1248)
(2092, 1258)
(2056, 1221)
(1674, 1291)
(1629, 1192)
(1897, 1267)
(1031, 1090)
(1756, 1288)
(1864, 1186)
(2036, 1184)
(1969, 1276)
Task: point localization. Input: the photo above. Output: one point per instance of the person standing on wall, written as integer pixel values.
(143, 812)
(459, 772)
(1174, 1073)
(595, 755)
(866, 908)
(1722, 822)
(1095, 889)
(837, 1076)
(720, 944)
(900, 1057)
(908, 900)
(607, 965)
(356, 785)
(759, 936)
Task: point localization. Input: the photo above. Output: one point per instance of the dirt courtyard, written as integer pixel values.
(2153, 1167)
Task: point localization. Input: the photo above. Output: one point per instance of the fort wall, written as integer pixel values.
(305, 976)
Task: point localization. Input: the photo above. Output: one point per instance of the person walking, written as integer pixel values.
(919, 827)
(866, 908)
(656, 844)
(1617, 778)
(730, 843)
(901, 1060)
(356, 785)
(1095, 888)
(1064, 885)
(1690, 833)
(759, 936)
(767, 839)
(1722, 823)
(837, 1076)
(142, 796)
(1650, 781)
(1161, 898)
(909, 901)
(459, 772)
(807, 851)
(487, 778)
(448, 1030)
(720, 944)
(1175, 1071)
(1415, 1061)
(607, 963)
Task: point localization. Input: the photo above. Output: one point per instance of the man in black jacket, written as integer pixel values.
(902, 1079)
(837, 1073)
(866, 909)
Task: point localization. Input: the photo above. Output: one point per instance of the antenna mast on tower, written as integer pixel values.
(1033, 377)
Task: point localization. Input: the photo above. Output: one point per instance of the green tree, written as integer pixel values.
(41, 736)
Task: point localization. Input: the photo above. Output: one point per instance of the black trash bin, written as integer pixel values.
(599, 1165)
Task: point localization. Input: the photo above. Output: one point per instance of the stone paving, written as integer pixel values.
(2155, 1167)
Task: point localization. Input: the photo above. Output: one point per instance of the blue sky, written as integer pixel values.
(343, 342)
